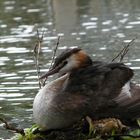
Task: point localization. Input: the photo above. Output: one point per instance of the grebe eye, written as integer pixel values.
(65, 62)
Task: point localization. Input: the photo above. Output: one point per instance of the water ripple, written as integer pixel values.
(5, 95)
(33, 10)
(108, 22)
(20, 99)
(135, 68)
(7, 75)
(14, 50)
(89, 24)
(13, 39)
(18, 88)
(134, 23)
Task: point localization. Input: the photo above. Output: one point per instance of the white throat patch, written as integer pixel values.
(126, 90)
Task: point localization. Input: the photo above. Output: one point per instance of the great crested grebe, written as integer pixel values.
(85, 87)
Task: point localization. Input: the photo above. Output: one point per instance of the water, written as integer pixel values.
(99, 27)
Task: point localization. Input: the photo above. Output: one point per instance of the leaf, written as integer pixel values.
(138, 121)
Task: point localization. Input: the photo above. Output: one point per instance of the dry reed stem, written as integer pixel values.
(54, 51)
(124, 51)
(9, 127)
(53, 57)
(37, 50)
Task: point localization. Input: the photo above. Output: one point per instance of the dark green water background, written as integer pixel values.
(101, 27)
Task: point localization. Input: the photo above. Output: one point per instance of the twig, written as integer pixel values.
(124, 51)
(37, 49)
(9, 127)
(53, 57)
(54, 51)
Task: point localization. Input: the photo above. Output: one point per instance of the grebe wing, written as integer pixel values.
(105, 84)
(103, 79)
(129, 99)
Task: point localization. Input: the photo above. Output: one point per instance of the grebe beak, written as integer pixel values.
(53, 70)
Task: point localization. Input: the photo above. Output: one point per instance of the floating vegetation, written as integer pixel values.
(86, 129)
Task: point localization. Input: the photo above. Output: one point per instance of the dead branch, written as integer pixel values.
(53, 56)
(37, 49)
(9, 127)
(54, 51)
(124, 51)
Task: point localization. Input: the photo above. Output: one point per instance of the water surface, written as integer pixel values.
(99, 27)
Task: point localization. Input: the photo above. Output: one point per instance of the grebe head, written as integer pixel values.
(68, 60)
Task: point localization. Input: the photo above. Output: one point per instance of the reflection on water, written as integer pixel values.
(99, 27)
